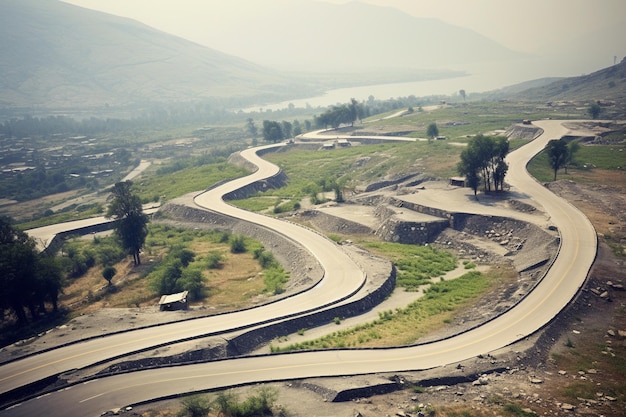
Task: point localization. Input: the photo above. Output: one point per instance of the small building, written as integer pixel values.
(343, 143)
(328, 145)
(457, 182)
(174, 302)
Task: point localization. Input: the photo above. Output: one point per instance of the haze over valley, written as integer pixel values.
(54, 54)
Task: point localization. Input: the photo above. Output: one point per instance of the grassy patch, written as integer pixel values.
(405, 326)
(588, 158)
(307, 169)
(230, 279)
(185, 181)
(417, 265)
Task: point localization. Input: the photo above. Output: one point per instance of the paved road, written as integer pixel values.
(560, 285)
(342, 279)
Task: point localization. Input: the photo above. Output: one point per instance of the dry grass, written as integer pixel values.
(234, 285)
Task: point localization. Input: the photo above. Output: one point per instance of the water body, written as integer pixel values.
(486, 77)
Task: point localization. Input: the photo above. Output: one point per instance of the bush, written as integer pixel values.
(195, 406)
(237, 244)
(215, 260)
(259, 404)
(274, 279)
(108, 273)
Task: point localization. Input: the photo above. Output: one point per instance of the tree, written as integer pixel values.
(594, 110)
(557, 154)
(252, 129)
(432, 131)
(462, 93)
(287, 129)
(28, 279)
(572, 148)
(470, 167)
(272, 131)
(108, 273)
(131, 223)
(484, 158)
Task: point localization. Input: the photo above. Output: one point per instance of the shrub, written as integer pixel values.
(237, 244)
(194, 406)
(214, 259)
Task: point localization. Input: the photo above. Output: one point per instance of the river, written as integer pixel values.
(485, 77)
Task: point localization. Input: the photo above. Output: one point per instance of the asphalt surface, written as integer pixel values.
(551, 295)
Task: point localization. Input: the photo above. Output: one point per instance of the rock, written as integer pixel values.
(611, 332)
(605, 294)
(568, 407)
(534, 380)
(621, 333)
(562, 372)
(609, 398)
(483, 380)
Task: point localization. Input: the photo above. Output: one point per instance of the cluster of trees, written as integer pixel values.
(341, 115)
(176, 275)
(483, 160)
(29, 280)
(274, 131)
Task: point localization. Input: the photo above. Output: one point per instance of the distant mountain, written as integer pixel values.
(608, 84)
(314, 35)
(56, 55)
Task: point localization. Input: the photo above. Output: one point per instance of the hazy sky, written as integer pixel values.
(523, 25)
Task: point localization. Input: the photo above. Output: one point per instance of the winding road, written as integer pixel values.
(343, 278)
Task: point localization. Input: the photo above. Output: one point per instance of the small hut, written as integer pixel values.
(173, 302)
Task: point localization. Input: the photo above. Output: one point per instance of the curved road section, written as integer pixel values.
(342, 279)
(551, 295)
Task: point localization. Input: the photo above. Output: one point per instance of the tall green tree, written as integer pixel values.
(470, 166)
(557, 154)
(484, 159)
(28, 279)
(131, 225)
(272, 131)
(432, 131)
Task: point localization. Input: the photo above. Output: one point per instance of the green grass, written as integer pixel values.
(307, 169)
(188, 180)
(416, 265)
(458, 121)
(588, 157)
(257, 204)
(405, 326)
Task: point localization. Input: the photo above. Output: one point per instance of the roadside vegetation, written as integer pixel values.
(261, 402)
(406, 326)
(588, 158)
